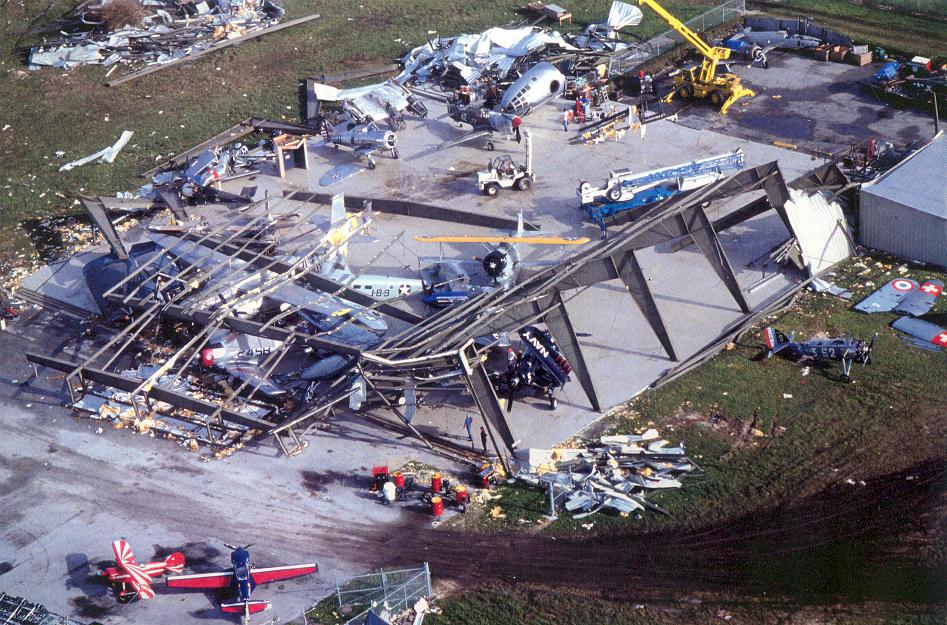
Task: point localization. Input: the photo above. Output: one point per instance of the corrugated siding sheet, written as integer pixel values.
(902, 230)
(819, 228)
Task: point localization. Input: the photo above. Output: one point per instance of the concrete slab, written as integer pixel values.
(817, 106)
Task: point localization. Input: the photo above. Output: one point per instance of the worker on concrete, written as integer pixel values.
(565, 120)
(389, 491)
(483, 437)
(647, 83)
(468, 425)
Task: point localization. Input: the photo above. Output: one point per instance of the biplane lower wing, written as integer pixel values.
(931, 335)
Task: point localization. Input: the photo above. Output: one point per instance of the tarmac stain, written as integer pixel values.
(5, 567)
(317, 482)
(87, 608)
(199, 557)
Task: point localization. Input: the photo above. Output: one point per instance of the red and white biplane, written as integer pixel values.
(133, 580)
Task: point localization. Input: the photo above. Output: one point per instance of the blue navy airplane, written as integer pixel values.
(845, 349)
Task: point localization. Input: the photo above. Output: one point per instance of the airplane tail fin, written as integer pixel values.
(775, 340)
(174, 563)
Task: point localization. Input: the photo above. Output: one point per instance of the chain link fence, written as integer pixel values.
(391, 591)
(668, 40)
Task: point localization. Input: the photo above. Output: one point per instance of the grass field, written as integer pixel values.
(51, 110)
(535, 607)
(894, 30)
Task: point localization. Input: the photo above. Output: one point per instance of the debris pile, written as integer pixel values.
(464, 58)
(619, 472)
(150, 31)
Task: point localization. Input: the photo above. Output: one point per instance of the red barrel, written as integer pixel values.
(461, 496)
(398, 478)
(437, 506)
(436, 483)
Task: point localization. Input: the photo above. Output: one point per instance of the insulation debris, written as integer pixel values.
(106, 155)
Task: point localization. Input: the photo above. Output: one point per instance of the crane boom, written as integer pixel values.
(712, 55)
(723, 90)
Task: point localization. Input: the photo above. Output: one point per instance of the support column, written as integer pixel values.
(558, 322)
(700, 229)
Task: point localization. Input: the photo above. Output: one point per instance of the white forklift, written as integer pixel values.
(503, 173)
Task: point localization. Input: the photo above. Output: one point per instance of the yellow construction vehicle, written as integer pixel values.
(702, 82)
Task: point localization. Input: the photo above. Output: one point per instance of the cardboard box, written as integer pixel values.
(837, 54)
(858, 59)
(860, 49)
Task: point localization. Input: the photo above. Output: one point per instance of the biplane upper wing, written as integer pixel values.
(275, 573)
(201, 580)
(887, 297)
(920, 300)
(138, 578)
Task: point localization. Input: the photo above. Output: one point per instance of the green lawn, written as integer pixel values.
(893, 30)
(536, 607)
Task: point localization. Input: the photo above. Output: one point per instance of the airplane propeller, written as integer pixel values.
(232, 548)
(866, 359)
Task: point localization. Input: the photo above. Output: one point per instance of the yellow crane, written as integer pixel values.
(723, 90)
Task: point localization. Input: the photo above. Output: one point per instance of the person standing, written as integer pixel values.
(468, 424)
(565, 120)
(483, 437)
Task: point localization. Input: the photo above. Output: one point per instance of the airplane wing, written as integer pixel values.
(923, 330)
(201, 580)
(921, 300)
(365, 150)
(138, 579)
(274, 573)
(887, 297)
(470, 136)
(529, 240)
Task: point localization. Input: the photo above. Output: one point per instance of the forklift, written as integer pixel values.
(502, 172)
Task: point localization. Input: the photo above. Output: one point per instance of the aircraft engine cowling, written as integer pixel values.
(495, 263)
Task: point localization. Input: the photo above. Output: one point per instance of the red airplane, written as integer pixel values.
(242, 578)
(133, 579)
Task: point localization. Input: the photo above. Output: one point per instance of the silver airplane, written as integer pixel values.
(336, 268)
(370, 104)
(540, 84)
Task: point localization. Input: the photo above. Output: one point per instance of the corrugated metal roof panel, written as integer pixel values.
(819, 227)
(919, 182)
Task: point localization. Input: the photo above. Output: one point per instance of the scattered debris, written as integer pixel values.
(619, 472)
(106, 32)
(106, 155)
